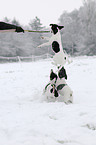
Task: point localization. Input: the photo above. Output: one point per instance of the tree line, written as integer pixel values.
(78, 35)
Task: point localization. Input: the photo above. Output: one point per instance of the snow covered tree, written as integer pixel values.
(6, 19)
(15, 22)
(79, 35)
(87, 15)
(70, 31)
(35, 24)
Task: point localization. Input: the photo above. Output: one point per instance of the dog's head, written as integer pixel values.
(55, 28)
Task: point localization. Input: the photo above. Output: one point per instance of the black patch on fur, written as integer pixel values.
(53, 75)
(60, 27)
(54, 28)
(62, 73)
(51, 90)
(56, 93)
(55, 46)
(65, 58)
(60, 87)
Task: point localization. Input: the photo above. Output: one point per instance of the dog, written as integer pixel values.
(50, 90)
(57, 88)
(63, 89)
(60, 57)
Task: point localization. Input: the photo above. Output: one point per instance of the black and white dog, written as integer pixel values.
(60, 56)
(50, 90)
(64, 90)
(57, 88)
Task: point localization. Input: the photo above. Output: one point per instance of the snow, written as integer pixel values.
(27, 119)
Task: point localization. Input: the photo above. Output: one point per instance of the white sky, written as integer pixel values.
(47, 10)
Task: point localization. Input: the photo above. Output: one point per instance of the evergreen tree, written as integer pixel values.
(35, 24)
(15, 22)
(6, 20)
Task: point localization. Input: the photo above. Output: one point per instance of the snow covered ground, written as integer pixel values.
(26, 119)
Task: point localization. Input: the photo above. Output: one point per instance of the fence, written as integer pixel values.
(26, 59)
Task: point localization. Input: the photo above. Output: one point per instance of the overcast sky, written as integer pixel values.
(47, 10)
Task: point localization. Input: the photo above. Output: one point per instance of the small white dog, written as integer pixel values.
(57, 88)
(60, 56)
(63, 89)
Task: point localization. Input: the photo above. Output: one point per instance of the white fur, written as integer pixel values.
(58, 58)
(49, 96)
(65, 92)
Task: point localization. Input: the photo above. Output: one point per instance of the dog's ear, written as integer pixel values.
(60, 27)
(53, 75)
(62, 73)
(56, 93)
(50, 24)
